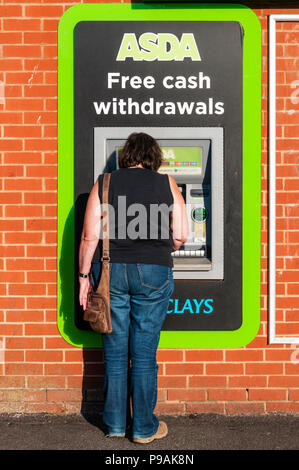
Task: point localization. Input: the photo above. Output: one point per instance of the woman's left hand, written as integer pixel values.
(85, 286)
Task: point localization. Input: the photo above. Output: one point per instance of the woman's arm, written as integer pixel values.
(179, 221)
(89, 240)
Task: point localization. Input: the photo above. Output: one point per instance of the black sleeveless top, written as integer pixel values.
(139, 217)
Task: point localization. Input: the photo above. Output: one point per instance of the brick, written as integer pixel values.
(24, 77)
(41, 276)
(41, 64)
(244, 408)
(63, 369)
(50, 131)
(46, 382)
(50, 77)
(171, 382)
(10, 197)
(11, 144)
(23, 238)
(169, 408)
(25, 104)
(10, 64)
(11, 225)
(278, 355)
(40, 145)
(40, 198)
(23, 369)
(12, 382)
(10, 10)
(204, 381)
(11, 251)
(21, 51)
(43, 11)
(170, 355)
(212, 355)
(26, 289)
(40, 37)
(244, 355)
(43, 356)
(14, 356)
(7, 276)
(44, 408)
(40, 91)
(42, 302)
(264, 369)
(42, 117)
(184, 369)
(282, 407)
(41, 224)
(224, 369)
(51, 211)
(24, 316)
(205, 408)
(10, 118)
(266, 395)
(25, 264)
(22, 131)
(186, 395)
(23, 211)
(9, 303)
(247, 381)
(22, 342)
(51, 184)
(26, 395)
(23, 183)
(64, 395)
(292, 368)
(51, 104)
(226, 395)
(24, 24)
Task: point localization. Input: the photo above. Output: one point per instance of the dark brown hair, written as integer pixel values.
(141, 148)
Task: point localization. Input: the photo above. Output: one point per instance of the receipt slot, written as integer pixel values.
(194, 157)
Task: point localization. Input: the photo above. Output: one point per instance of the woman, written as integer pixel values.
(141, 280)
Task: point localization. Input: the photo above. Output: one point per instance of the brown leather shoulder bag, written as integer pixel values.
(97, 311)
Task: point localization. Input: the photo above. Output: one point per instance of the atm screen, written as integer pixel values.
(180, 160)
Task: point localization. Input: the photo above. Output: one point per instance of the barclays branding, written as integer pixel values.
(190, 306)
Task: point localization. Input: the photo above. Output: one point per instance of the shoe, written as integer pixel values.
(115, 435)
(161, 432)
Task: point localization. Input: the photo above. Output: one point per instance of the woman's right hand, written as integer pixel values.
(85, 287)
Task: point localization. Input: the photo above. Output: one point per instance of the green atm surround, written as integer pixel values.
(251, 165)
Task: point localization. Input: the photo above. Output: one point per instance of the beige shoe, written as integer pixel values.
(161, 432)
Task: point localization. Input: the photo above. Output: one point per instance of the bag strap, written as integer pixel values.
(105, 218)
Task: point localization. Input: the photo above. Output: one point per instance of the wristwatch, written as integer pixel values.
(83, 275)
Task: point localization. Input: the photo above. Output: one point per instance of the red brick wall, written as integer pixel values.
(39, 371)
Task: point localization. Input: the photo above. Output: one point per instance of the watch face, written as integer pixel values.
(199, 214)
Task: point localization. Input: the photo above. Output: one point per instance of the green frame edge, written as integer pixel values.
(251, 165)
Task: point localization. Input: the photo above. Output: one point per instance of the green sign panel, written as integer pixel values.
(176, 67)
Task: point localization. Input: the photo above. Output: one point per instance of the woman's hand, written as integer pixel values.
(85, 287)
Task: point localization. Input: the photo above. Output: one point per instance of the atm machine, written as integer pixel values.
(194, 157)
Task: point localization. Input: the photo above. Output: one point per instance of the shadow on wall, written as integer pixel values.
(71, 313)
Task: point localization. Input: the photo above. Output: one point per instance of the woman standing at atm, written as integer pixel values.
(141, 281)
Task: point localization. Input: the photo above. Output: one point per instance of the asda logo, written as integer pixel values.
(161, 46)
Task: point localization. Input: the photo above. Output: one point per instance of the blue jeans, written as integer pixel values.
(139, 296)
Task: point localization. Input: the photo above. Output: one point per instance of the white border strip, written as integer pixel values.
(273, 339)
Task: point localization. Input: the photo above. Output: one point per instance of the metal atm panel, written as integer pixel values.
(194, 157)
